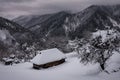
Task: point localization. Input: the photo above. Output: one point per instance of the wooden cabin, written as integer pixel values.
(48, 58)
(7, 61)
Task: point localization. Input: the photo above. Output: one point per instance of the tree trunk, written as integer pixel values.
(102, 66)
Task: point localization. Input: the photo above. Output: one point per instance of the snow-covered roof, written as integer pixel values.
(7, 59)
(47, 56)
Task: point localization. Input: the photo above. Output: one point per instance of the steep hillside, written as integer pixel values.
(72, 25)
(12, 38)
(31, 20)
(18, 32)
(56, 29)
(48, 28)
(92, 19)
(44, 25)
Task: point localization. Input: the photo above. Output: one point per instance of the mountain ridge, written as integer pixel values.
(55, 30)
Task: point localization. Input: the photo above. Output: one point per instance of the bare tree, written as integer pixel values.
(97, 51)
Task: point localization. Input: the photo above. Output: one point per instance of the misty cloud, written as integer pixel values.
(13, 1)
(13, 8)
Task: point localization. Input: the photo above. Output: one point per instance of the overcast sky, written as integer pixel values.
(14, 8)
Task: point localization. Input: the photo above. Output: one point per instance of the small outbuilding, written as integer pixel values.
(48, 58)
(8, 61)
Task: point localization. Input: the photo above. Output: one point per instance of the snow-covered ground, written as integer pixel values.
(72, 69)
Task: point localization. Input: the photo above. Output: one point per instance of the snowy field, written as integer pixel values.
(72, 69)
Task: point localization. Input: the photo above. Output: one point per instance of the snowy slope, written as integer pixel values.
(113, 64)
(72, 69)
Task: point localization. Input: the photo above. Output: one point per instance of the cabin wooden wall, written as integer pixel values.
(49, 64)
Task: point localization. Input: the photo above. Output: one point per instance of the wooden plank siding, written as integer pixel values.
(50, 64)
